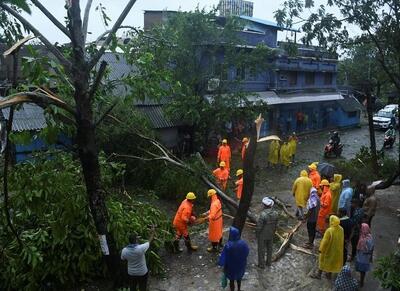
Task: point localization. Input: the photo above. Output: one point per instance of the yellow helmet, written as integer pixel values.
(222, 164)
(211, 192)
(190, 196)
(239, 172)
(245, 139)
(324, 182)
(312, 166)
(224, 141)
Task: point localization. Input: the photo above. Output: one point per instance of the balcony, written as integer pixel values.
(306, 65)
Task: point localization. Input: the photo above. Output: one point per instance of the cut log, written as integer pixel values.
(286, 242)
(294, 247)
(281, 204)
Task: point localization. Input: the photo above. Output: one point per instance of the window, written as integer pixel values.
(283, 77)
(241, 73)
(328, 79)
(292, 78)
(352, 114)
(310, 78)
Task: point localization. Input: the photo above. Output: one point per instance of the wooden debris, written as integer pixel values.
(250, 224)
(281, 204)
(294, 247)
(286, 242)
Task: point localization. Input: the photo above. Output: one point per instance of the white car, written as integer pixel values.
(383, 118)
(392, 107)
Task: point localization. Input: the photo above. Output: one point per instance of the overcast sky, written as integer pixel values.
(262, 9)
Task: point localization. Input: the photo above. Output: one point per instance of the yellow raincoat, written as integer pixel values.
(336, 189)
(301, 189)
(292, 145)
(273, 152)
(285, 155)
(331, 247)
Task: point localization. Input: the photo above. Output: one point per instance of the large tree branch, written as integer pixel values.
(7, 153)
(86, 20)
(37, 98)
(51, 17)
(98, 78)
(65, 62)
(117, 24)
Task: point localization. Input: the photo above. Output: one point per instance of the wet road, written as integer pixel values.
(198, 271)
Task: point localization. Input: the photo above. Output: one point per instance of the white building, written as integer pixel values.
(235, 7)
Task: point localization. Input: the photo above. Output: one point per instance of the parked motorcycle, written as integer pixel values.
(388, 141)
(332, 151)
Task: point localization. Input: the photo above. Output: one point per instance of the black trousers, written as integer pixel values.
(311, 229)
(138, 281)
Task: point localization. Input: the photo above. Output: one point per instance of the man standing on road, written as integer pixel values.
(134, 253)
(301, 190)
(266, 226)
(184, 216)
(239, 184)
(346, 196)
(314, 176)
(331, 249)
(224, 154)
(221, 174)
(313, 205)
(326, 206)
(215, 222)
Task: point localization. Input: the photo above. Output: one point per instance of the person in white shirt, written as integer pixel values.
(134, 253)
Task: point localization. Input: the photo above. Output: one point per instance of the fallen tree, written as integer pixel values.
(286, 242)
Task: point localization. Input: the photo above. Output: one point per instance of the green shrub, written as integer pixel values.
(387, 271)
(360, 168)
(60, 244)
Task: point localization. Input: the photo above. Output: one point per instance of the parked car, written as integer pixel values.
(392, 107)
(383, 118)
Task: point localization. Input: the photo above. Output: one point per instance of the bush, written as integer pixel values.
(360, 168)
(50, 212)
(387, 271)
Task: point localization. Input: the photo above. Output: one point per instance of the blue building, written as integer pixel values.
(299, 88)
(28, 118)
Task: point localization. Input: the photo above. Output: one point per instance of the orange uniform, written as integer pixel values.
(239, 188)
(182, 218)
(224, 154)
(222, 175)
(315, 178)
(215, 220)
(325, 208)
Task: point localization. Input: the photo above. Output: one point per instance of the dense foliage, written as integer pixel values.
(360, 168)
(50, 212)
(387, 271)
(202, 58)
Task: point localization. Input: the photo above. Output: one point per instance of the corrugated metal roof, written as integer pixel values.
(29, 117)
(350, 104)
(272, 98)
(157, 117)
(265, 22)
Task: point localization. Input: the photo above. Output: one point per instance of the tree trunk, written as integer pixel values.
(372, 132)
(248, 181)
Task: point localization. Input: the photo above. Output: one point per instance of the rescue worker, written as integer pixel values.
(325, 206)
(273, 153)
(224, 154)
(293, 145)
(336, 189)
(215, 222)
(239, 183)
(222, 175)
(346, 196)
(245, 144)
(301, 191)
(266, 226)
(183, 218)
(284, 155)
(314, 176)
(331, 249)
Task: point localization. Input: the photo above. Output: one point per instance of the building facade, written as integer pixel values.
(235, 7)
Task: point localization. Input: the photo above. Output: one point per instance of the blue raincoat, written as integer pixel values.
(234, 256)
